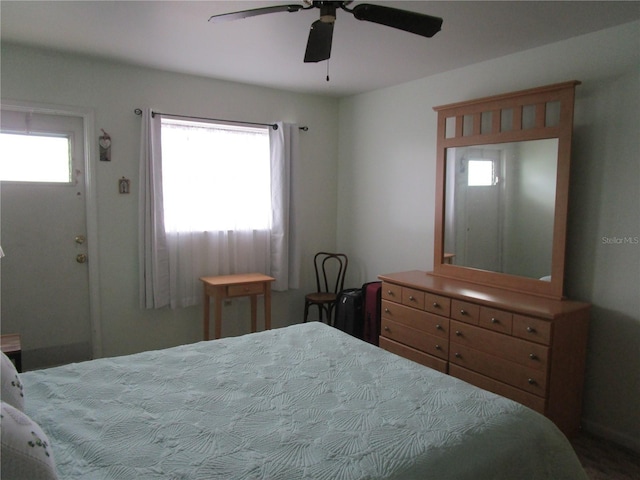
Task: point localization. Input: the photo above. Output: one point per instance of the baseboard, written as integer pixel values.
(53, 356)
(614, 436)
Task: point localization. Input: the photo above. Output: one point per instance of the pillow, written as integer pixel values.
(26, 453)
(11, 392)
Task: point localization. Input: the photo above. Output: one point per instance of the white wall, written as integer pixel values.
(114, 91)
(386, 192)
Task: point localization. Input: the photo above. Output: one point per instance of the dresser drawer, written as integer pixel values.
(391, 292)
(528, 354)
(437, 304)
(413, 354)
(418, 319)
(245, 289)
(529, 379)
(534, 329)
(497, 320)
(532, 401)
(465, 311)
(403, 314)
(413, 298)
(412, 337)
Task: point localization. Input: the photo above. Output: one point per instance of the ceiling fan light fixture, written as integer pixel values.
(328, 12)
(328, 18)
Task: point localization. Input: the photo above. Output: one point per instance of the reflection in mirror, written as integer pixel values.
(500, 207)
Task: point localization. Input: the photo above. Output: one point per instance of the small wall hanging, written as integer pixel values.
(105, 146)
(124, 185)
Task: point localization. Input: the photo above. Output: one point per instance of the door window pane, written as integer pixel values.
(35, 158)
(480, 173)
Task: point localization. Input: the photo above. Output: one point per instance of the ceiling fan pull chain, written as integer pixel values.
(327, 70)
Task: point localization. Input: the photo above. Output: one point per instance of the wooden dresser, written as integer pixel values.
(525, 347)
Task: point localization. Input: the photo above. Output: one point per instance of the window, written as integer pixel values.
(216, 177)
(40, 147)
(481, 173)
(35, 158)
(214, 201)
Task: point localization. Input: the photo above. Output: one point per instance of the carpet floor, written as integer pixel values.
(604, 460)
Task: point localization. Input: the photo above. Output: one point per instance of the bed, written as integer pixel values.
(305, 401)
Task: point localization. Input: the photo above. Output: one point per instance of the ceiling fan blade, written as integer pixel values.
(225, 17)
(319, 43)
(412, 22)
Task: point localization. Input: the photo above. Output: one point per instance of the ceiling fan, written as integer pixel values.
(321, 34)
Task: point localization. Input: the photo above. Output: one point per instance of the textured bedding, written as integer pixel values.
(305, 401)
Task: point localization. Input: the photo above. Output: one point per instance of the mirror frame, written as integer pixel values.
(470, 132)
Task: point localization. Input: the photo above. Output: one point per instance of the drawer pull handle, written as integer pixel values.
(458, 333)
(463, 312)
(386, 329)
(494, 320)
(457, 355)
(436, 305)
(438, 347)
(531, 330)
(531, 381)
(390, 293)
(438, 327)
(411, 299)
(386, 310)
(533, 356)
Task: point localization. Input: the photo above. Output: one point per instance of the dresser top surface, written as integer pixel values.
(485, 295)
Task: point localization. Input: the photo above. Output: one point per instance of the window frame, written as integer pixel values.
(52, 124)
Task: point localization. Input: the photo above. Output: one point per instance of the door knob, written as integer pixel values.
(81, 258)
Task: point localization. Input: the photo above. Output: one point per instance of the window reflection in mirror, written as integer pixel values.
(500, 207)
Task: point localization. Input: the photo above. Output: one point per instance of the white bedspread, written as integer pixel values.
(306, 401)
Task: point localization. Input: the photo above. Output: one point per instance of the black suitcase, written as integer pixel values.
(371, 300)
(348, 312)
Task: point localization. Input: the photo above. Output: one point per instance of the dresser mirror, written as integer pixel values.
(500, 207)
(502, 189)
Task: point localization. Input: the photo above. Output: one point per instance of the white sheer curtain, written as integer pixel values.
(172, 259)
(153, 253)
(285, 261)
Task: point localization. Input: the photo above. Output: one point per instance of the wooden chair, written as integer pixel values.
(330, 272)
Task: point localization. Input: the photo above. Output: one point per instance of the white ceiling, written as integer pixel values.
(268, 50)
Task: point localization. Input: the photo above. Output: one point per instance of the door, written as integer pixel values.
(44, 275)
(479, 191)
(483, 245)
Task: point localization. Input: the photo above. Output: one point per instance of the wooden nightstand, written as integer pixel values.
(229, 286)
(12, 348)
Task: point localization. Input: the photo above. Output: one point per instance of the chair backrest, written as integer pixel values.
(330, 271)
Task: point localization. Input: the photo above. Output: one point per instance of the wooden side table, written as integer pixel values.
(12, 348)
(229, 286)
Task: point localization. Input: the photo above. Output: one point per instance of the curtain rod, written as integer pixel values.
(138, 111)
